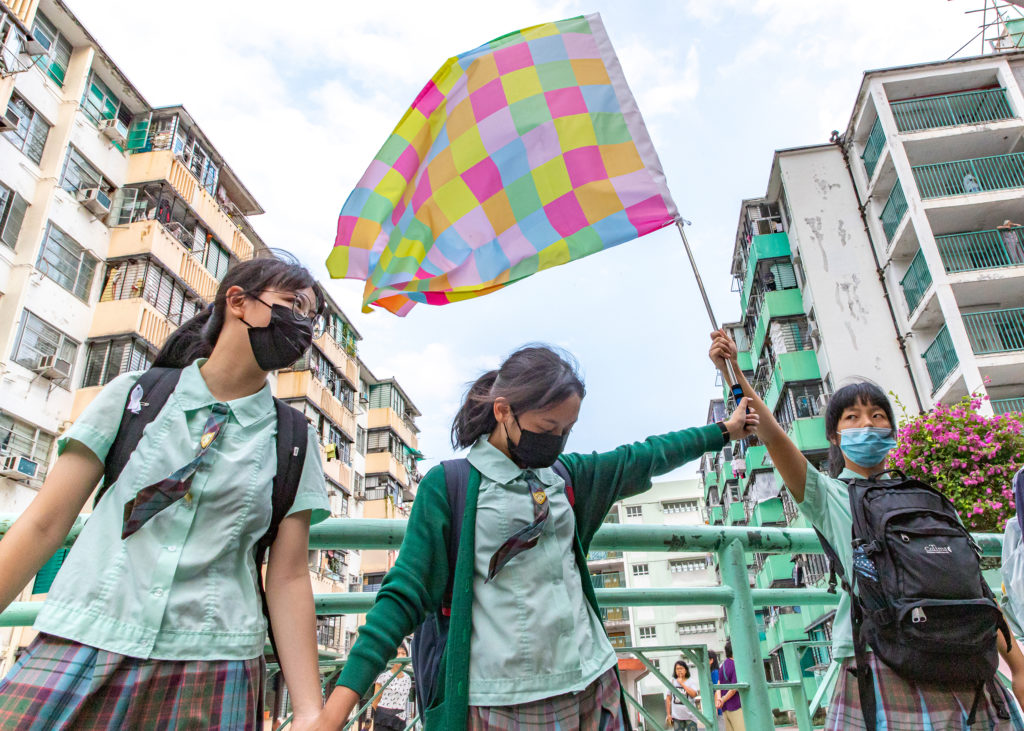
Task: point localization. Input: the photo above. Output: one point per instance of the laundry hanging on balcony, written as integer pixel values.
(523, 154)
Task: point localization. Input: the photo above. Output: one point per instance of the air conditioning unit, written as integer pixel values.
(31, 47)
(50, 366)
(95, 200)
(114, 130)
(19, 468)
(10, 121)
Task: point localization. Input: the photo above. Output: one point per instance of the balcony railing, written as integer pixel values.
(950, 110)
(894, 211)
(1008, 405)
(608, 580)
(940, 359)
(916, 281)
(995, 331)
(977, 175)
(615, 614)
(873, 147)
(976, 250)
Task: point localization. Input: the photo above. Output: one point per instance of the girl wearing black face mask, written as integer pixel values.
(154, 620)
(526, 648)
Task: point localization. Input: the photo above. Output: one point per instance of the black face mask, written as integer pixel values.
(536, 449)
(281, 342)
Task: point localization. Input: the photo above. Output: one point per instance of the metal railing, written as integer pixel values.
(1008, 405)
(894, 211)
(873, 147)
(974, 250)
(995, 331)
(940, 358)
(950, 110)
(916, 281)
(976, 175)
(735, 593)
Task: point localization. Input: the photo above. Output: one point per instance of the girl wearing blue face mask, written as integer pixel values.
(860, 428)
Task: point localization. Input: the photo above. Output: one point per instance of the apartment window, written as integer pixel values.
(32, 131)
(67, 263)
(135, 278)
(216, 259)
(37, 338)
(80, 174)
(683, 565)
(342, 333)
(387, 396)
(358, 483)
(338, 500)
(634, 511)
(385, 440)
(697, 628)
(106, 360)
(680, 506)
(12, 214)
(647, 633)
(58, 49)
(361, 440)
(640, 569)
(798, 401)
(330, 631)
(99, 102)
(327, 431)
(24, 440)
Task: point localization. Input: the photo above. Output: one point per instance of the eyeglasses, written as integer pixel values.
(302, 310)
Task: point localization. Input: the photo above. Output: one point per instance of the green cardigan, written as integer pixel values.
(415, 585)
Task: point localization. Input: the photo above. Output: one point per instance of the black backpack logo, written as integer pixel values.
(919, 600)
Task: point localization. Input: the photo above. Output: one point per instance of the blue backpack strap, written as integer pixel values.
(456, 479)
(562, 471)
(155, 386)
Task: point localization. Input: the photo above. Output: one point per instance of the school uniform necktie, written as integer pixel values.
(152, 499)
(524, 538)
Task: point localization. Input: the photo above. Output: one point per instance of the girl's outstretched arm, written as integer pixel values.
(786, 456)
(290, 601)
(42, 528)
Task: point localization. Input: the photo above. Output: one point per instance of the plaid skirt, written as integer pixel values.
(60, 684)
(905, 706)
(597, 707)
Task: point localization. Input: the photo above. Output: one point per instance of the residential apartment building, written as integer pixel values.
(118, 221)
(676, 502)
(896, 254)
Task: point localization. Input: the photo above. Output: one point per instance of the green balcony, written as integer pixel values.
(735, 515)
(951, 110)
(776, 304)
(716, 515)
(940, 359)
(975, 250)
(786, 628)
(777, 568)
(809, 434)
(873, 147)
(916, 282)
(894, 211)
(766, 246)
(745, 360)
(791, 368)
(995, 331)
(768, 512)
(1008, 405)
(977, 175)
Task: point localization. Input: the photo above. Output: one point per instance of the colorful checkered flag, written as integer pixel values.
(523, 154)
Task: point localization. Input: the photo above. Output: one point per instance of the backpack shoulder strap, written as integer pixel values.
(155, 386)
(562, 471)
(291, 454)
(456, 479)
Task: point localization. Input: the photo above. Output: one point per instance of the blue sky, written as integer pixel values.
(299, 104)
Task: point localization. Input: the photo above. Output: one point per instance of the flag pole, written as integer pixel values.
(734, 386)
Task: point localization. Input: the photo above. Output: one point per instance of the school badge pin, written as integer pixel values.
(540, 497)
(207, 440)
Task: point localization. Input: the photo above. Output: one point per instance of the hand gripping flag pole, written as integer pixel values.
(734, 385)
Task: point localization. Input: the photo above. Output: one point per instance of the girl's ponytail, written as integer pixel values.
(195, 339)
(476, 416)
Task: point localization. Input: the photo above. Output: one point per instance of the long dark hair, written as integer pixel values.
(713, 657)
(533, 377)
(862, 392)
(269, 270)
(680, 663)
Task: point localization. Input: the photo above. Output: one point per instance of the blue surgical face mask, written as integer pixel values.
(866, 446)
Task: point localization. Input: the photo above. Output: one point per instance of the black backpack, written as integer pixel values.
(431, 637)
(918, 598)
(155, 386)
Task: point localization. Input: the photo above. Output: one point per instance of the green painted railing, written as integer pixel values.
(1008, 405)
(916, 282)
(894, 211)
(940, 358)
(873, 147)
(974, 250)
(950, 110)
(977, 175)
(995, 331)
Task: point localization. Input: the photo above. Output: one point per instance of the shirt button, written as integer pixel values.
(172, 549)
(158, 592)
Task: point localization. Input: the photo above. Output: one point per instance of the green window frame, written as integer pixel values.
(67, 262)
(216, 259)
(58, 49)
